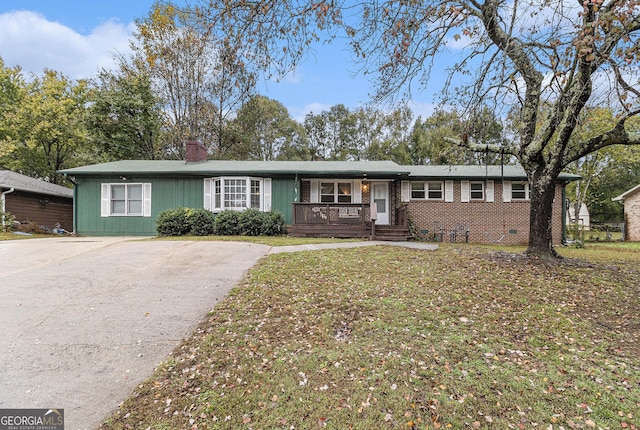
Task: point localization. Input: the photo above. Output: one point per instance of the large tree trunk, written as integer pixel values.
(542, 193)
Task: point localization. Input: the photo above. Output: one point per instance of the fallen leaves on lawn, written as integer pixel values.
(389, 338)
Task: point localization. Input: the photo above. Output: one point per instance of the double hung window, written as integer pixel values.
(336, 192)
(125, 199)
(519, 191)
(427, 190)
(476, 190)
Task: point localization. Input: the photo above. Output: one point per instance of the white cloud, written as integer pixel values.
(293, 77)
(299, 113)
(29, 40)
(420, 109)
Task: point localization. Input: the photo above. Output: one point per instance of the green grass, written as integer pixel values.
(265, 240)
(385, 337)
(12, 236)
(614, 245)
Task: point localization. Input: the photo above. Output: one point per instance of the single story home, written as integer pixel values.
(28, 199)
(631, 201)
(317, 198)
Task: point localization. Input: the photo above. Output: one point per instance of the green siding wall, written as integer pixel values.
(284, 192)
(166, 193)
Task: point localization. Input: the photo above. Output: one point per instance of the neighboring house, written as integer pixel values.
(28, 199)
(631, 201)
(317, 198)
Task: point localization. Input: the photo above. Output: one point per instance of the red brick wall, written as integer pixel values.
(488, 222)
(195, 151)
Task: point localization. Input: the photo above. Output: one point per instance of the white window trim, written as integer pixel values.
(356, 189)
(423, 190)
(483, 190)
(210, 193)
(445, 188)
(105, 199)
(526, 191)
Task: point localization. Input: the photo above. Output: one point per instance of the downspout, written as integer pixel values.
(2, 204)
(75, 206)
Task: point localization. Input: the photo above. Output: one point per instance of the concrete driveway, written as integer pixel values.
(84, 320)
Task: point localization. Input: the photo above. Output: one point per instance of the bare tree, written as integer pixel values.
(548, 60)
(201, 80)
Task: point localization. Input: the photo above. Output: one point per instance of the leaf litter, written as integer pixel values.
(394, 338)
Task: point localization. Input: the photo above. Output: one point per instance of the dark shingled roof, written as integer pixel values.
(9, 179)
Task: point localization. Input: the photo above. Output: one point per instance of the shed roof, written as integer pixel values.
(9, 179)
(626, 194)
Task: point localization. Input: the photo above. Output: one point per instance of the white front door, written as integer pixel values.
(380, 197)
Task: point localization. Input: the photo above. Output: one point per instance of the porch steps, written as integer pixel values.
(395, 233)
(383, 232)
(324, 230)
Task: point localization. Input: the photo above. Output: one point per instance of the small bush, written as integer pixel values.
(226, 223)
(273, 224)
(250, 222)
(201, 222)
(9, 220)
(173, 222)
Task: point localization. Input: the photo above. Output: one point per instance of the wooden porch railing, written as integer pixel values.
(331, 213)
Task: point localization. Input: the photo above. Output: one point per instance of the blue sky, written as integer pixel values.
(78, 37)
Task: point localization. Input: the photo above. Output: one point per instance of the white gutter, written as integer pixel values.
(2, 203)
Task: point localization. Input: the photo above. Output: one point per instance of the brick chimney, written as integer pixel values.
(195, 151)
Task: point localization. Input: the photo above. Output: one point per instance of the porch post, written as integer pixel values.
(374, 217)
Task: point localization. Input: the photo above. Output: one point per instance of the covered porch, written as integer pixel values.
(348, 220)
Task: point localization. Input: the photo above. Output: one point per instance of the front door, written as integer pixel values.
(380, 196)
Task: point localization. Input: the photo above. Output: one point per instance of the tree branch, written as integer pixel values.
(465, 142)
(618, 135)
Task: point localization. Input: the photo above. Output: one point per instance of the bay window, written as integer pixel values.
(236, 193)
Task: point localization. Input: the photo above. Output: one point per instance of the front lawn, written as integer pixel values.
(264, 240)
(386, 337)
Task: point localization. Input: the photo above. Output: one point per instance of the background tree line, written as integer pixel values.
(182, 80)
